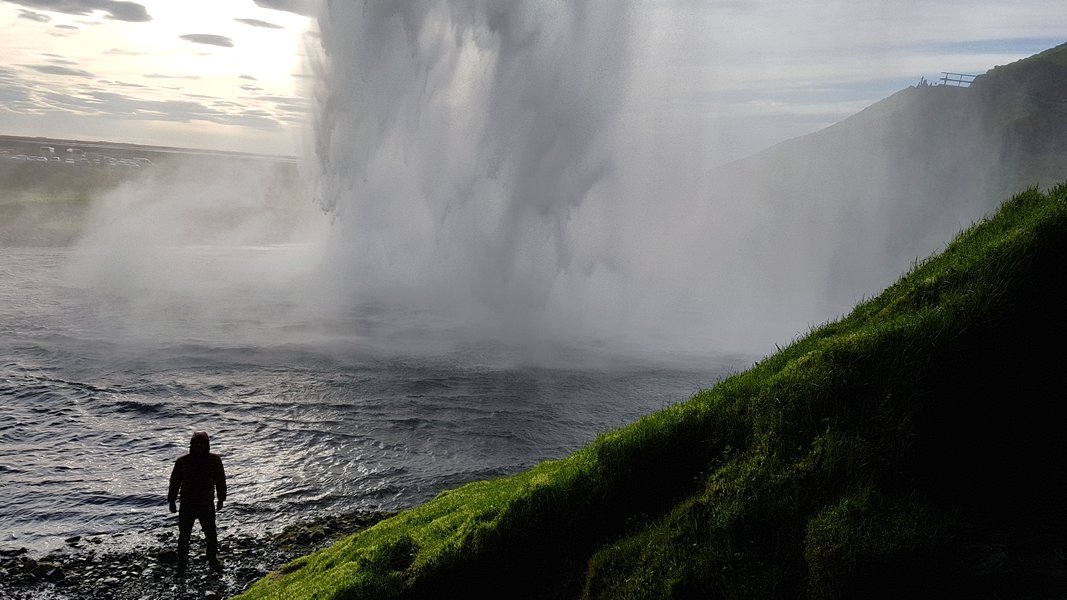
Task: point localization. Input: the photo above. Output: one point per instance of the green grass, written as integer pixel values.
(908, 449)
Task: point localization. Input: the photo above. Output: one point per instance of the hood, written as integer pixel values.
(199, 443)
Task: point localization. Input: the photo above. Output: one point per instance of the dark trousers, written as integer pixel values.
(187, 515)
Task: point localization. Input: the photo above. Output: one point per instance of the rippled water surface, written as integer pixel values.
(92, 421)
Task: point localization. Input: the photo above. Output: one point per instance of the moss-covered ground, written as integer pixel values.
(913, 448)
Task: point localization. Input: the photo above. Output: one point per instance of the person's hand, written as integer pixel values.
(173, 507)
(219, 506)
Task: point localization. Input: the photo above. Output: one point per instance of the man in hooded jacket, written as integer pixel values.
(195, 479)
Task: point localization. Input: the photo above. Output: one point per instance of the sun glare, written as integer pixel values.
(238, 61)
(217, 66)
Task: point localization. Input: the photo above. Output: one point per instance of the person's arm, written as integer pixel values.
(220, 485)
(175, 486)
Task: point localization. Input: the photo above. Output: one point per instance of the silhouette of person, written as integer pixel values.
(195, 479)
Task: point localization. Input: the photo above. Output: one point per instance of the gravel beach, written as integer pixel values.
(81, 571)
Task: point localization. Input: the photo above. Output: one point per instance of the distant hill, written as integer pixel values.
(854, 204)
(32, 145)
(45, 202)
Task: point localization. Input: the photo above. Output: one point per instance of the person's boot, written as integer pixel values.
(213, 562)
(183, 563)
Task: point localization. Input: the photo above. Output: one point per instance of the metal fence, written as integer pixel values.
(957, 79)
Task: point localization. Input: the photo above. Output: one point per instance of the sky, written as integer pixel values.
(215, 74)
(234, 74)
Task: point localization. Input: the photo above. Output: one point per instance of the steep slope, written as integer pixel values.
(909, 449)
(1025, 105)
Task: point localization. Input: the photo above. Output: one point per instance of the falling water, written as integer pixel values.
(469, 151)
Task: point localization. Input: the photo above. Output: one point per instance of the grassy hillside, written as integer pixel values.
(913, 448)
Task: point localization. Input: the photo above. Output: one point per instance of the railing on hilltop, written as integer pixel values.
(957, 79)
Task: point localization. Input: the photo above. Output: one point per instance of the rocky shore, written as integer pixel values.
(146, 572)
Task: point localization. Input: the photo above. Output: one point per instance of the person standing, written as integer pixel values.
(195, 479)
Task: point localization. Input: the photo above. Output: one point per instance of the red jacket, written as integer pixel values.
(197, 475)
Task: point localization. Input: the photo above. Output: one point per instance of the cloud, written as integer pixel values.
(30, 15)
(209, 39)
(124, 84)
(65, 26)
(286, 106)
(127, 11)
(248, 77)
(37, 94)
(300, 7)
(121, 52)
(60, 70)
(287, 103)
(14, 94)
(57, 59)
(162, 76)
(12, 97)
(258, 23)
(113, 9)
(110, 104)
(251, 88)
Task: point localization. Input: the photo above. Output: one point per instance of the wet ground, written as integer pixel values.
(84, 571)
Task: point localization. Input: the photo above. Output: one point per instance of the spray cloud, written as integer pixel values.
(464, 146)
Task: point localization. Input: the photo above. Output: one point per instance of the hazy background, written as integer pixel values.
(528, 176)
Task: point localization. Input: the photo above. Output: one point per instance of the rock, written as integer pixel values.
(54, 575)
(45, 565)
(74, 539)
(110, 581)
(211, 595)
